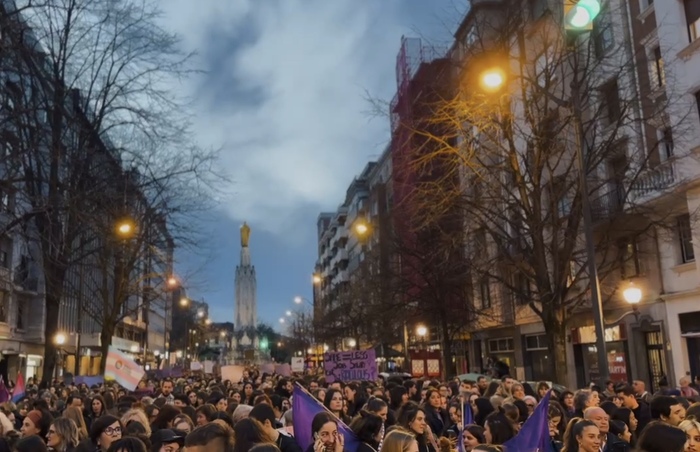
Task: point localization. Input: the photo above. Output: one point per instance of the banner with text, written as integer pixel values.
(356, 365)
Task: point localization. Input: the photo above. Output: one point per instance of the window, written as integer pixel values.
(644, 4)
(4, 302)
(692, 17)
(685, 236)
(665, 138)
(501, 345)
(538, 342)
(629, 256)
(603, 37)
(537, 8)
(656, 68)
(20, 315)
(5, 245)
(4, 201)
(610, 98)
(521, 289)
(485, 292)
(571, 274)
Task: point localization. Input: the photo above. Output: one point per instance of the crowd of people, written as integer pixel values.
(203, 414)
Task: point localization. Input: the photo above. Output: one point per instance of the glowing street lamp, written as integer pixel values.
(422, 331)
(60, 339)
(352, 343)
(184, 301)
(281, 319)
(298, 300)
(632, 294)
(207, 322)
(172, 281)
(125, 228)
(493, 79)
(288, 313)
(316, 278)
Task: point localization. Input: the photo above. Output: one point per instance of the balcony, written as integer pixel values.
(607, 205)
(651, 183)
(340, 255)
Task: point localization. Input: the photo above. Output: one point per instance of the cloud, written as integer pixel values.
(284, 96)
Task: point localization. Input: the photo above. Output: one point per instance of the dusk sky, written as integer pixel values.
(283, 96)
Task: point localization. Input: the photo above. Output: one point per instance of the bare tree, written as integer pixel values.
(95, 86)
(514, 151)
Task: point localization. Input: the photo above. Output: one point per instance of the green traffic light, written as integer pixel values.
(583, 13)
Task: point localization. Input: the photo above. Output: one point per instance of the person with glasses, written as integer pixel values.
(104, 431)
(63, 435)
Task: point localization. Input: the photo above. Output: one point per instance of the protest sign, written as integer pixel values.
(297, 364)
(356, 365)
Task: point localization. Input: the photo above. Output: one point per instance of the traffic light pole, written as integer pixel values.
(593, 280)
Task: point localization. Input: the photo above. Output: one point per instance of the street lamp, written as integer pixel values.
(298, 300)
(422, 331)
(172, 281)
(316, 278)
(632, 294)
(125, 228)
(60, 339)
(281, 319)
(289, 313)
(361, 228)
(492, 79)
(184, 302)
(200, 313)
(352, 343)
(223, 334)
(207, 322)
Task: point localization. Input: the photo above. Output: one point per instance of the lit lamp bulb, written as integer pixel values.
(632, 294)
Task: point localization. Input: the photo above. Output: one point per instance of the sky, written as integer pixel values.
(283, 95)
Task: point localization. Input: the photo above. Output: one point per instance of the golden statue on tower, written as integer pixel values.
(245, 235)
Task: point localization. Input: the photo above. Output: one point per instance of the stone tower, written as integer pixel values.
(246, 286)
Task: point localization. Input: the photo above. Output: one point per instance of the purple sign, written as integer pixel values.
(356, 365)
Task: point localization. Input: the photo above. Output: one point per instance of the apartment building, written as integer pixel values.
(344, 254)
(24, 82)
(643, 192)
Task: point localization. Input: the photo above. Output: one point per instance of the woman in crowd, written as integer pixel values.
(400, 441)
(411, 417)
(334, 403)
(63, 435)
(369, 429)
(324, 430)
(498, 428)
(581, 436)
(104, 431)
(36, 422)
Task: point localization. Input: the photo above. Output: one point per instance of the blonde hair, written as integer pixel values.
(140, 416)
(398, 440)
(689, 424)
(68, 431)
(76, 415)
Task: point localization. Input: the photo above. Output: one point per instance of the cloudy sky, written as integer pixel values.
(283, 96)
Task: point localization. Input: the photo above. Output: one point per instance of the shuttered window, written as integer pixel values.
(692, 17)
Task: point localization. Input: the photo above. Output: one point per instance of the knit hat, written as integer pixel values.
(35, 416)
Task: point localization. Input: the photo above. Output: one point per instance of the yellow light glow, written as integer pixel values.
(361, 228)
(316, 279)
(422, 331)
(632, 294)
(60, 338)
(493, 79)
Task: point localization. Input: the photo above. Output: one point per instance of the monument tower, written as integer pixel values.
(246, 287)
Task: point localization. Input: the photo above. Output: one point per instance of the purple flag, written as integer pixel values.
(5, 395)
(304, 408)
(467, 419)
(534, 435)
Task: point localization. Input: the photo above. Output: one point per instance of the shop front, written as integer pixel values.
(586, 358)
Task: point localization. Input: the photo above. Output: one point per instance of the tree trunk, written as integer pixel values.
(556, 336)
(446, 348)
(50, 330)
(105, 342)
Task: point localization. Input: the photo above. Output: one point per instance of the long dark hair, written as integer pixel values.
(573, 431)
(166, 415)
(406, 415)
(329, 398)
(127, 444)
(367, 427)
(501, 427)
(658, 436)
(247, 433)
(483, 409)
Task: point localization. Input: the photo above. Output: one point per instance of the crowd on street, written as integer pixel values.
(201, 413)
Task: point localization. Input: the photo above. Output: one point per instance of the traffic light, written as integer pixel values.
(580, 14)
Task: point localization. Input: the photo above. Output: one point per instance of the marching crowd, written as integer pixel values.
(201, 414)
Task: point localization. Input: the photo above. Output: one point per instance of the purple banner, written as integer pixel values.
(356, 365)
(88, 380)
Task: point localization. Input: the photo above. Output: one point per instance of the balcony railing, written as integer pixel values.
(607, 205)
(655, 180)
